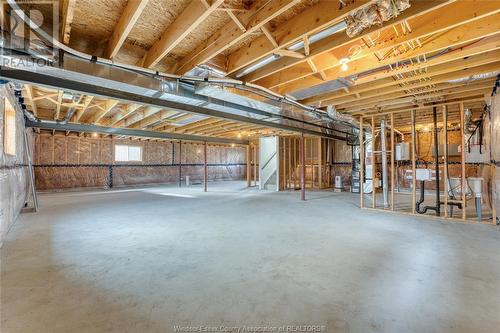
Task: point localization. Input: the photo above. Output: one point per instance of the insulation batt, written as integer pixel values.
(374, 14)
(14, 179)
(69, 161)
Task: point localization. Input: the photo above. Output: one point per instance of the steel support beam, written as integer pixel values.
(180, 163)
(205, 169)
(43, 79)
(128, 132)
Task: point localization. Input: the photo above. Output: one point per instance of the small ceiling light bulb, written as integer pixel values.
(344, 64)
(239, 135)
(94, 135)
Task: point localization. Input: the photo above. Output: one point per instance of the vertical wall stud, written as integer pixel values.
(255, 165)
(302, 169)
(494, 208)
(361, 162)
(180, 163)
(320, 161)
(393, 157)
(374, 165)
(249, 166)
(445, 154)
(462, 155)
(413, 163)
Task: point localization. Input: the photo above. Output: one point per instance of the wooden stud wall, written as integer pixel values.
(418, 140)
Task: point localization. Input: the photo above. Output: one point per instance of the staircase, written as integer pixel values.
(269, 163)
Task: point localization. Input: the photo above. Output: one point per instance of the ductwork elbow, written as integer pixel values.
(337, 116)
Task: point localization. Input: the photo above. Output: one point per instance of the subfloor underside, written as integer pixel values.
(151, 259)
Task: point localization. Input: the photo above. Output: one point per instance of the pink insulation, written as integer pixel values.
(71, 161)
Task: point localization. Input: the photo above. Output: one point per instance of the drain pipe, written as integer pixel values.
(385, 178)
(437, 207)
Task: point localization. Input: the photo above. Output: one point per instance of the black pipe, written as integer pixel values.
(426, 208)
(437, 207)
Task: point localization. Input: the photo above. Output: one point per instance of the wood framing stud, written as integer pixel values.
(129, 16)
(68, 9)
(269, 36)
(302, 168)
(195, 13)
(237, 21)
(462, 160)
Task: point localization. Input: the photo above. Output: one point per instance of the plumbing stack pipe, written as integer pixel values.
(384, 164)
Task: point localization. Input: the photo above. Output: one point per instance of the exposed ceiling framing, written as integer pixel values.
(435, 52)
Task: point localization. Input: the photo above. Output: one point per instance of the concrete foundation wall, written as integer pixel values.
(71, 161)
(14, 183)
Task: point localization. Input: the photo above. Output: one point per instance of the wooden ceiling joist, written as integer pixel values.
(67, 11)
(156, 117)
(129, 109)
(30, 94)
(312, 20)
(197, 124)
(137, 116)
(168, 123)
(420, 107)
(436, 97)
(436, 80)
(130, 15)
(468, 33)
(194, 14)
(434, 52)
(385, 86)
(86, 103)
(110, 104)
(439, 90)
(277, 74)
(492, 43)
(341, 43)
(58, 106)
(231, 34)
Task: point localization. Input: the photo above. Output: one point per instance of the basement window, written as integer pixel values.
(9, 142)
(126, 153)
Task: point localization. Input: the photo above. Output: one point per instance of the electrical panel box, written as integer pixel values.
(423, 174)
(402, 151)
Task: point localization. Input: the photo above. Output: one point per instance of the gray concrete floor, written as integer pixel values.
(145, 260)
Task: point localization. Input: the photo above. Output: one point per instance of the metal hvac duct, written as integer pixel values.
(75, 74)
(77, 71)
